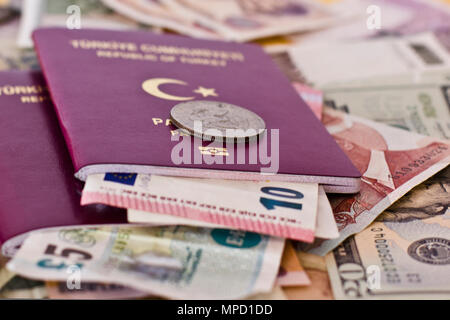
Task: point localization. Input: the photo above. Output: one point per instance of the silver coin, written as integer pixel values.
(219, 120)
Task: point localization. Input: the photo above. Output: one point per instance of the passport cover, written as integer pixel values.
(113, 92)
(38, 185)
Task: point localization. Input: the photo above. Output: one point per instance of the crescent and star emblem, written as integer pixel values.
(151, 86)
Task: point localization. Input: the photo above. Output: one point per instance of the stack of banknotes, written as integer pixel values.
(382, 92)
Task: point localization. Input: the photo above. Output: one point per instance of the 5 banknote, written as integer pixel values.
(276, 208)
(172, 262)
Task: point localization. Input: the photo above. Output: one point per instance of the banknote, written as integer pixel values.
(326, 227)
(85, 291)
(244, 20)
(291, 272)
(94, 14)
(312, 96)
(160, 14)
(282, 209)
(422, 107)
(410, 57)
(394, 15)
(172, 262)
(400, 256)
(320, 288)
(426, 16)
(73, 14)
(392, 161)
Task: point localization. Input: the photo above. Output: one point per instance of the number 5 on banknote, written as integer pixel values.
(65, 253)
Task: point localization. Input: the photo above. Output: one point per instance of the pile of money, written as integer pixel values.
(377, 75)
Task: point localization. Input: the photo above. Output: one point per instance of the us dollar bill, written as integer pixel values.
(404, 254)
(171, 262)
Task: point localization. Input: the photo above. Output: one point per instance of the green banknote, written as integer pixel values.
(172, 262)
(422, 107)
(405, 254)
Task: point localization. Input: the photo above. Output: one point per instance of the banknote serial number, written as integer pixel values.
(419, 162)
(385, 256)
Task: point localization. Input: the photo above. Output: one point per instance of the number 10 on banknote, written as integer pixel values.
(275, 208)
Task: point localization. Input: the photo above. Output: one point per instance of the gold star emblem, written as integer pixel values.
(205, 92)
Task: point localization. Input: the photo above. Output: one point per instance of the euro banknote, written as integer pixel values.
(400, 256)
(171, 262)
(326, 227)
(281, 209)
(291, 273)
(392, 162)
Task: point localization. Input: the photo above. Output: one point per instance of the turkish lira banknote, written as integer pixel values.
(171, 262)
(392, 162)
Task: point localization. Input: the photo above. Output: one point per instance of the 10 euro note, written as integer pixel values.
(392, 162)
(280, 209)
(171, 262)
(326, 227)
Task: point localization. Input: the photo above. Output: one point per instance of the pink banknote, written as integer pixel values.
(282, 209)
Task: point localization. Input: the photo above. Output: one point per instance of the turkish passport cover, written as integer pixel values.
(38, 187)
(113, 92)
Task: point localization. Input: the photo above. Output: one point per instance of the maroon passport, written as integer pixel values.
(113, 92)
(38, 187)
